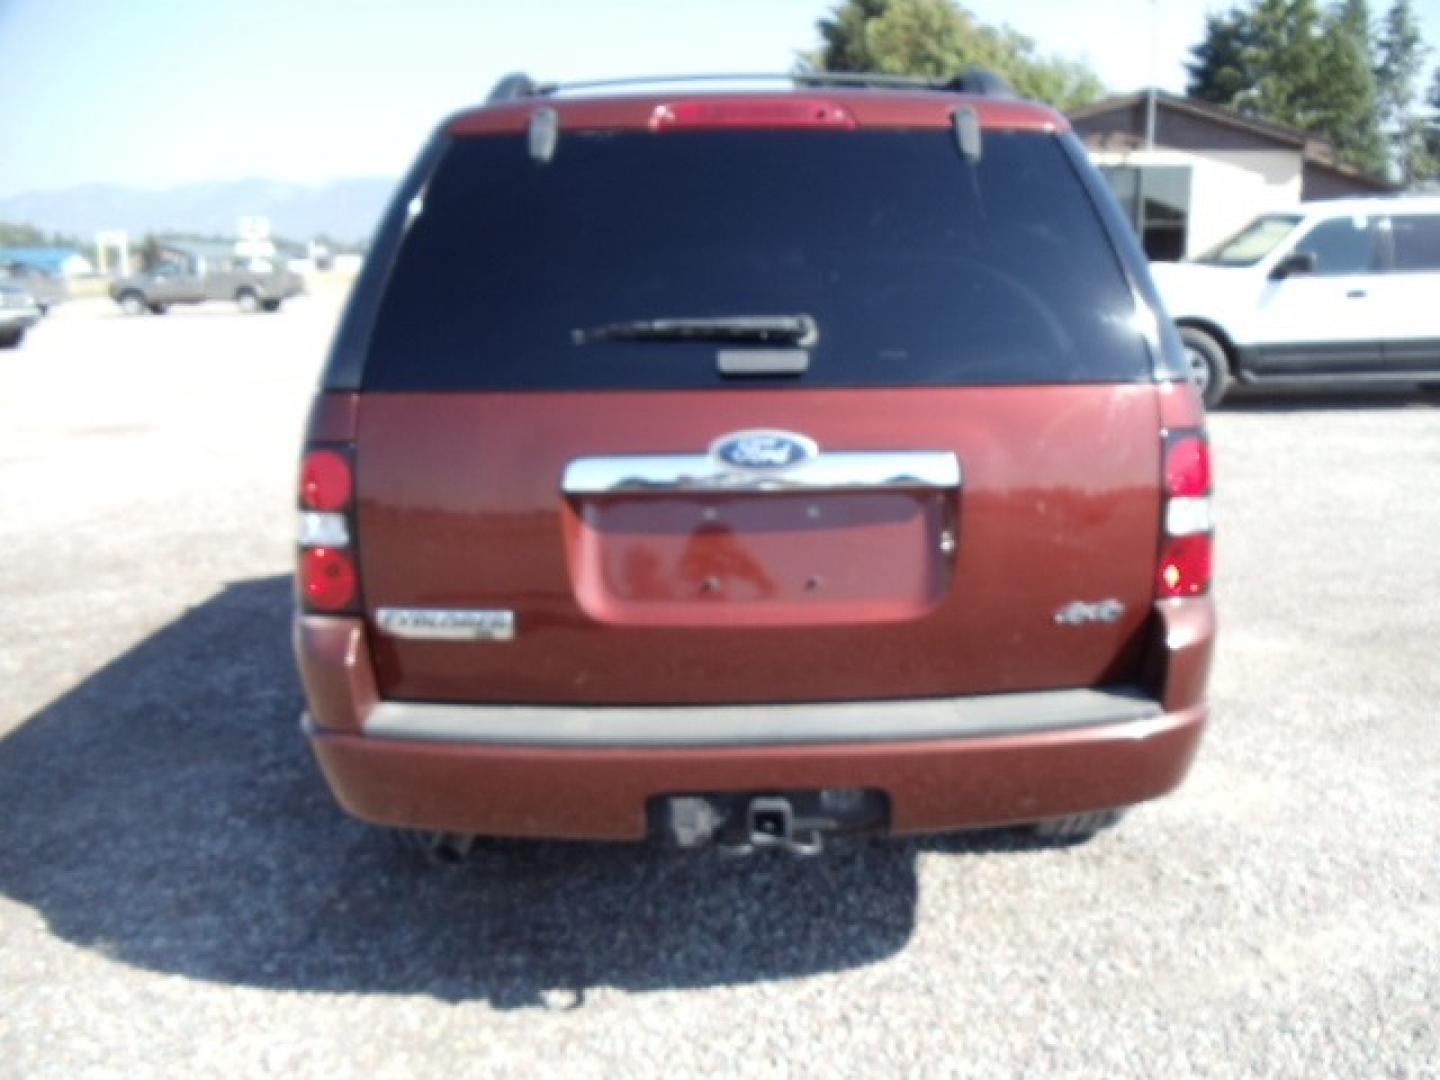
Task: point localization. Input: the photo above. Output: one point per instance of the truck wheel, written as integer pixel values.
(1209, 367)
(159, 309)
(11, 339)
(1077, 827)
(248, 299)
(133, 303)
(270, 305)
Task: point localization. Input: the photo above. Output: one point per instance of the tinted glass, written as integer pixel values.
(1416, 238)
(917, 268)
(1342, 246)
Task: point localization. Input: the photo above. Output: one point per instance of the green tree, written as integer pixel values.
(939, 39)
(23, 234)
(845, 46)
(1288, 58)
(1401, 56)
(1348, 98)
(1427, 163)
(19, 234)
(1220, 65)
(1293, 63)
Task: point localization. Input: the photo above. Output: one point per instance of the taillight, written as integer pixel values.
(329, 581)
(1188, 522)
(1187, 466)
(1185, 566)
(326, 480)
(759, 112)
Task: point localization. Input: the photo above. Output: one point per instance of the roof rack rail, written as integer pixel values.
(982, 81)
(971, 81)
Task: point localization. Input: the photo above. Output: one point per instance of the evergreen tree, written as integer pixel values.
(1287, 56)
(1402, 53)
(1349, 95)
(1426, 166)
(846, 47)
(1220, 67)
(1293, 63)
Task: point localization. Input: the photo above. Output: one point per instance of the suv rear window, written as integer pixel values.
(918, 268)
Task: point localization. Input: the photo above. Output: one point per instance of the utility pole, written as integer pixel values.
(1150, 93)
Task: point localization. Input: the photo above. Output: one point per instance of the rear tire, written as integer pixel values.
(1077, 827)
(248, 299)
(133, 303)
(1209, 366)
(11, 339)
(159, 309)
(269, 305)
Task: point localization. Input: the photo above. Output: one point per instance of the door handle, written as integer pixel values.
(1356, 294)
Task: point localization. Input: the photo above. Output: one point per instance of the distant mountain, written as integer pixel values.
(347, 210)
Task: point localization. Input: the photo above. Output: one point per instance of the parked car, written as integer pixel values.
(253, 284)
(18, 312)
(47, 289)
(750, 467)
(1335, 290)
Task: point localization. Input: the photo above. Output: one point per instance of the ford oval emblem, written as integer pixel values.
(763, 449)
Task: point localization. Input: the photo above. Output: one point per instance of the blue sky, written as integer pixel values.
(162, 92)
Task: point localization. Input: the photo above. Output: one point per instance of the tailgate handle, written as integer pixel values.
(839, 471)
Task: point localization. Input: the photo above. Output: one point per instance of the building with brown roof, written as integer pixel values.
(1203, 171)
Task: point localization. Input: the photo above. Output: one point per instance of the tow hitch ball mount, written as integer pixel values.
(771, 822)
(794, 822)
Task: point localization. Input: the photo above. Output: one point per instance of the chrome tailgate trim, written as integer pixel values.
(841, 471)
(739, 725)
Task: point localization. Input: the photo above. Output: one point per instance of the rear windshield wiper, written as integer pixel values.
(760, 329)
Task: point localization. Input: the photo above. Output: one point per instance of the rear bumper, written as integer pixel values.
(951, 764)
(591, 793)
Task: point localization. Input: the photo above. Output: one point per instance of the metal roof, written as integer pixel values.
(46, 258)
(1314, 151)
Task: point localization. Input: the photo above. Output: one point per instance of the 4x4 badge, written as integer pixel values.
(1078, 613)
(763, 449)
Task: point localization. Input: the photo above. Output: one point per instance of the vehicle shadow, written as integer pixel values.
(166, 812)
(1267, 399)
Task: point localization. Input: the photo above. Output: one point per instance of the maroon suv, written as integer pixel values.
(746, 467)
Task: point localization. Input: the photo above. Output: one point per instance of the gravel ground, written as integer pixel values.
(179, 894)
